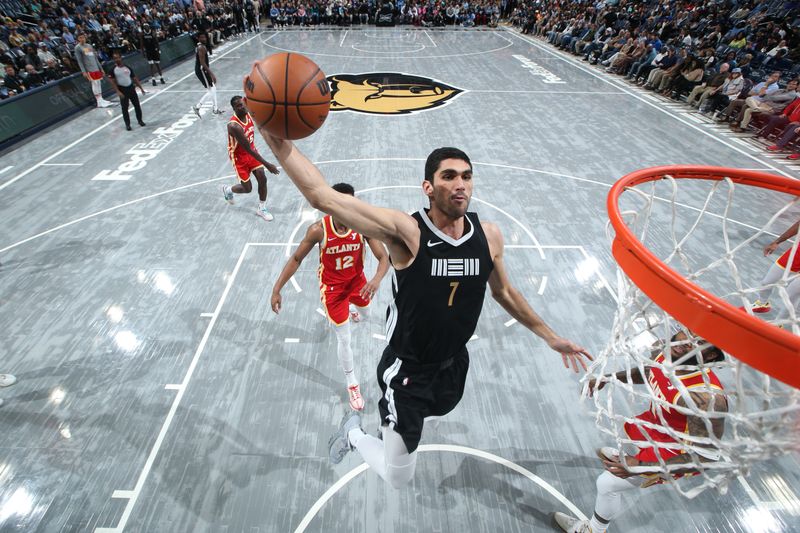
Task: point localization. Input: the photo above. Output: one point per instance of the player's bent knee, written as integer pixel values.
(399, 476)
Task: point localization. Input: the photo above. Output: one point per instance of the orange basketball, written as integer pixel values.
(288, 95)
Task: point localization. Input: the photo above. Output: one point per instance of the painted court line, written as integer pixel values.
(173, 386)
(103, 126)
(124, 494)
(321, 312)
(542, 286)
(341, 42)
(510, 323)
(379, 336)
(108, 210)
(62, 164)
(9, 167)
(134, 494)
(206, 315)
(347, 478)
(291, 340)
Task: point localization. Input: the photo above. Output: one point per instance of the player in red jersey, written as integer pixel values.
(706, 394)
(246, 159)
(776, 272)
(341, 282)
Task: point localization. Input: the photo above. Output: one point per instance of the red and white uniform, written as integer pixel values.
(341, 271)
(243, 162)
(662, 387)
(784, 260)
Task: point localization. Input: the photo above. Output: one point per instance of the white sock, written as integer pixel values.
(262, 205)
(389, 457)
(596, 525)
(97, 90)
(345, 353)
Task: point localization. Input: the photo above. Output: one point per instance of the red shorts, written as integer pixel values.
(336, 299)
(245, 164)
(96, 75)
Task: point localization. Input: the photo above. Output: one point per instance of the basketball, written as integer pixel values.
(288, 95)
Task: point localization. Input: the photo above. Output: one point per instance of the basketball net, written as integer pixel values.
(763, 416)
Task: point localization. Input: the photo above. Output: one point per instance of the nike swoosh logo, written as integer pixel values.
(431, 244)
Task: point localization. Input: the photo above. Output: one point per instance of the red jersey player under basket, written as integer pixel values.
(667, 410)
(245, 158)
(341, 282)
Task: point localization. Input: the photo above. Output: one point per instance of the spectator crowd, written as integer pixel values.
(735, 61)
(38, 38)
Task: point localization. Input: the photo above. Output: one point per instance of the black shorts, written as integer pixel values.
(203, 77)
(412, 392)
(152, 55)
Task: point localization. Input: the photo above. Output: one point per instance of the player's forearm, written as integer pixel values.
(515, 305)
(383, 268)
(788, 234)
(306, 177)
(635, 376)
(288, 271)
(253, 153)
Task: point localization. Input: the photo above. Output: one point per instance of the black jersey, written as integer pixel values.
(437, 300)
(150, 41)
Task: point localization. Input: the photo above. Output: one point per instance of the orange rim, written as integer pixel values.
(755, 342)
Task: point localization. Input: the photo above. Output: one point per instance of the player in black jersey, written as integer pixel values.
(443, 259)
(204, 74)
(151, 50)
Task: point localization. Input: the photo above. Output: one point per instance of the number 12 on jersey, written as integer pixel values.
(347, 262)
(453, 287)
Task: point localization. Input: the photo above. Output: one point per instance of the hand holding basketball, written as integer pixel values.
(287, 95)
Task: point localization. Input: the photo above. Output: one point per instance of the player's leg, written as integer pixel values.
(793, 292)
(773, 275)
(358, 304)
(402, 411)
(160, 73)
(243, 187)
(201, 75)
(261, 179)
(608, 505)
(335, 303)
(152, 70)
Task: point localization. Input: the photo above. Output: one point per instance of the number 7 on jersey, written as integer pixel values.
(453, 287)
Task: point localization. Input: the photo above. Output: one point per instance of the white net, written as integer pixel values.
(667, 408)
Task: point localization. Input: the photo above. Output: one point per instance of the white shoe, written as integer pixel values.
(264, 213)
(227, 194)
(196, 109)
(339, 443)
(6, 380)
(570, 524)
(356, 400)
(355, 316)
(103, 103)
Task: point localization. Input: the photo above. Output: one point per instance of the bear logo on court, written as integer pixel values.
(388, 93)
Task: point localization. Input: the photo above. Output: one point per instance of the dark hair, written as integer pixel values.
(440, 154)
(344, 188)
(237, 97)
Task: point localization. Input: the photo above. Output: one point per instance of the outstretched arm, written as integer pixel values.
(515, 304)
(371, 287)
(789, 233)
(314, 235)
(397, 229)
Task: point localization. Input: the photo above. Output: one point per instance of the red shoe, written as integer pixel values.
(761, 307)
(356, 401)
(793, 157)
(773, 148)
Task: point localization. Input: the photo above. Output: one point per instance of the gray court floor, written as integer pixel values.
(158, 392)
